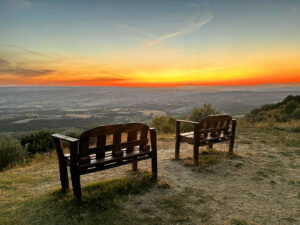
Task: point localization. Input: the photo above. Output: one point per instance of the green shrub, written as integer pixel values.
(286, 110)
(167, 124)
(199, 113)
(73, 134)
(40, 141)
(11, 152)
(296, 114)
(164, 124)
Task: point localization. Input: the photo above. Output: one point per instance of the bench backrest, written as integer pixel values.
(215, 125)
(135, 134)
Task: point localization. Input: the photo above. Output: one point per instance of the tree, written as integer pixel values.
(205, 110)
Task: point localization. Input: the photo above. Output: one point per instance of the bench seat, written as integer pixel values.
(84, 159)
(210, 130)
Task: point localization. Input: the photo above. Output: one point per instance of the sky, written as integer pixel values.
(149, 43)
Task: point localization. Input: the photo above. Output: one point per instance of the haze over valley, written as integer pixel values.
(24, 109)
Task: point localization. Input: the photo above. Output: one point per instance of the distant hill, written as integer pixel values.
(286, 110)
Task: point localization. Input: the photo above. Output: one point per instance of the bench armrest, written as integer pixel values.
(187, 121)
(65, 138)
(184, 121)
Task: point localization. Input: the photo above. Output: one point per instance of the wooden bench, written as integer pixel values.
(85, 158)
(210, 130)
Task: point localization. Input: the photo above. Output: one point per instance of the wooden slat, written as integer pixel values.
(144, 133)
(84, 149)
(119, 146)
(110, 159)
(132, 136)
(101, 141)
(64, 138)
(116, 151)
(113, 129)
(98, 167)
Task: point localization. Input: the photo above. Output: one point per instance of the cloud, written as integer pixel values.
(25, 72)
(27, 50)
(134, 29)
(190, 27)
(16, 4)
(3, 63)
(7, 68)
(110, 76)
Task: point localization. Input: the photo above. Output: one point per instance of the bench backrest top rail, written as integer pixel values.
(102, 132)
(215, 123)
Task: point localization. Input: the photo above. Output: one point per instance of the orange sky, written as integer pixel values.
(178, 43)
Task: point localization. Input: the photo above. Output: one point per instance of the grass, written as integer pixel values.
(238, 222)
(209, 158)
(257, 185)
(100, 204)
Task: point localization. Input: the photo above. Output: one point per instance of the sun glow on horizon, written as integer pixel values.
(178, 43)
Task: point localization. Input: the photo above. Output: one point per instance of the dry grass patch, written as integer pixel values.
(209, 158)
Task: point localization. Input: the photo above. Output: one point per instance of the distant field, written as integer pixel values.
(25, 109)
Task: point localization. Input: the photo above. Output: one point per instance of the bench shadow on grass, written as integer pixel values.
(101, 202)
(209, 158)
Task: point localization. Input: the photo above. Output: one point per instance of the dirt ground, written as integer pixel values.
(259, 186)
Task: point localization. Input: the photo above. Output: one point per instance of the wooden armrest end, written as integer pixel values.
(64, 138)
(187, 121)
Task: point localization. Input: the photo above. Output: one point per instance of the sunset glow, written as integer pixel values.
(149, 43)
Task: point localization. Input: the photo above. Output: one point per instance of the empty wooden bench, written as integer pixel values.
(86, 158)
(210, 130)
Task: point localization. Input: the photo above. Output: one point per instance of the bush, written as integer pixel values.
(167, 124)
(73, 134)
(11, 153)
(296, 114)
(199, 113)
(40, 141)
(290, 106)
(164, 124)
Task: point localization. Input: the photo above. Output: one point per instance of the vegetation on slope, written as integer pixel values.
(167, 124)
(286, 110)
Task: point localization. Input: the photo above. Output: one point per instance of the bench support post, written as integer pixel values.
(154, 153)
(75, 176)
(134, 166)
(177, 144)
(196, 145)
(63, 172)
(232, 136)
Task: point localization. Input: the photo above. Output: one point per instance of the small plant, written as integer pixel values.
(11, 152)
(40, 141)
(238, 222)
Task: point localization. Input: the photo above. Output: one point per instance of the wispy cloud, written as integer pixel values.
(134, 29)
(27, 50)
(8, 68)
(190, 27)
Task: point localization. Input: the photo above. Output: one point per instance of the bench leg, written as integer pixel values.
(196, 154)
(63, 172)
(76, 183)
(210, 146)
(154, 166)
(154, 153)
(231, 145)
(134, 166)
(177, 147)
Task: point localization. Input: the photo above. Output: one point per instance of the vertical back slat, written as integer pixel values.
(84, 154)
(117, 140)
(101, 141)
(132, 136)
(144, 133)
